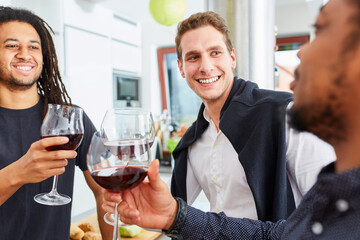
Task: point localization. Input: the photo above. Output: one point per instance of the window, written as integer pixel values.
(177, 97)
(286, 60)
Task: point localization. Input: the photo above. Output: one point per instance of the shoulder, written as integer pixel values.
(86, 119)
(247, 93)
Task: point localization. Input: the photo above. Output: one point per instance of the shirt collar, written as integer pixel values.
(211, 127)
(206, 115)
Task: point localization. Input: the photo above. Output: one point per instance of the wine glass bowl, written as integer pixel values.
(120, 153)
(118, 168)
(116, 173)
(61, 120)
(126, 124)
(133, 123)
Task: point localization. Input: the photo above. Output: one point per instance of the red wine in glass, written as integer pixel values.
(73, 143)
(117, 179)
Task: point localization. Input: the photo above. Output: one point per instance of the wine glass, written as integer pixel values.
(131, 123)
(126, 123)
(61, 120)
(120, 167)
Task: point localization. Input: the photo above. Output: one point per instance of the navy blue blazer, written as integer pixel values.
(253, 120)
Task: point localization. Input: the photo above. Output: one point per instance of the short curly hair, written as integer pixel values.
(202, 19)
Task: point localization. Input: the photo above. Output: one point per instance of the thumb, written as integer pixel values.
(153, 175)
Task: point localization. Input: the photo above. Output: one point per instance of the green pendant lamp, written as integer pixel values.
(167, 12)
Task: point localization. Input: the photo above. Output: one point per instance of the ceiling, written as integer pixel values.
(284, 2)
(122, 7)
(141, 13)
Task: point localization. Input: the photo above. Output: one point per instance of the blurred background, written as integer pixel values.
(121, 53)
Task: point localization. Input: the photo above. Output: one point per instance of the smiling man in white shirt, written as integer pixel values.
(240, 151)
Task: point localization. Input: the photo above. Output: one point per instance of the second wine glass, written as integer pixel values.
(120, 168)
(122, 124)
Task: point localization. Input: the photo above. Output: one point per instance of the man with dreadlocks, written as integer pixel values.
(29, 80)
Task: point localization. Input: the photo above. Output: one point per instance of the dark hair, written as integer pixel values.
(49, 84)
(201, 19)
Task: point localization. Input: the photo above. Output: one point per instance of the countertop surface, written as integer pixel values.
(143, 235)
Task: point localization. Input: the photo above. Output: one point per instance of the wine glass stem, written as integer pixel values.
(54, 186)
(116, 235)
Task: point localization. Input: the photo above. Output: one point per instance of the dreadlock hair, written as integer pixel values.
(49, 84)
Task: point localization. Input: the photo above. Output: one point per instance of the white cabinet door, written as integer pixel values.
(88, 70)
(126, 57)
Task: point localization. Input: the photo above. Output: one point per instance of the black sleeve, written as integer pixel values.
(89, 130)
(201, 225)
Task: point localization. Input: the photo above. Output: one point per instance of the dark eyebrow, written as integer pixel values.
(217, 47)
(16, 40)
(34, 41)
(194, 52)
(10, 39)
(191, 53)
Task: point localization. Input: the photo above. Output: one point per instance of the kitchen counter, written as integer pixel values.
(143, 235)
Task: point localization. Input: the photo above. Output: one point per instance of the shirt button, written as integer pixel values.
(342, 205)
(317, 228)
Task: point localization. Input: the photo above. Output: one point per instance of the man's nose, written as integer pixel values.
(206, 64)
(302, 49)
(24, 54)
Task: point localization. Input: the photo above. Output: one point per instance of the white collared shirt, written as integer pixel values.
(214, 167)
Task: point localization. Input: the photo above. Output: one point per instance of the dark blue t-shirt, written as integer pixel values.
(20, 216)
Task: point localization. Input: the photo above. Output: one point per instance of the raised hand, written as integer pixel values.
(36, 165)
(39, 164)
(148, 205)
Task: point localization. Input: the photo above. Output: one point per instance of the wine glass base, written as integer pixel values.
(109, 219)
(52, 199)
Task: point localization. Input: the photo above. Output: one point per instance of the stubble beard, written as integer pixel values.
(15, 84)
(325, 119)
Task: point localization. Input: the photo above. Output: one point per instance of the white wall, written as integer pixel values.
(42, 9)
(296, 18)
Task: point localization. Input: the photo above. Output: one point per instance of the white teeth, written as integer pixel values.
(209, 80)
(24, 68)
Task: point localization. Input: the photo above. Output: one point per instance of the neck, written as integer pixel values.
(18, 99)
(213, 107)
(348, 153)
(214, 112)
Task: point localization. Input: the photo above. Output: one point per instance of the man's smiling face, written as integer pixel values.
(206, 63)
(20, 55)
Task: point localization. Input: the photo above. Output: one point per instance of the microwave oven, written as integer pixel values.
(126, 90)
